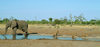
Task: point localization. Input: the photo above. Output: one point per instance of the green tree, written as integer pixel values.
(76, 19)
(98, 22)
(5, 20)
(93, 21)
(57, 21)
(50, 20)
(0, 21)
(43, 21)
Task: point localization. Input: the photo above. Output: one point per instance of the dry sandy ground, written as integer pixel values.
(81, 31)
(47, 43)
(63, 30)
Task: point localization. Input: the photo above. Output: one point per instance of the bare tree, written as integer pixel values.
(71, 19)
(65, 20)
(11, 18)
(81, 18)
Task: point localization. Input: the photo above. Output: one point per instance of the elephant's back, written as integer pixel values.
(22, 24)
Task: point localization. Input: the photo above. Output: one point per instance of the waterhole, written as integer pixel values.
(19, 37)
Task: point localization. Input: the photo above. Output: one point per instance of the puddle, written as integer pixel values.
(18, 37)
(94, 39)
(69, 38)
(39, 37)
(11, 36)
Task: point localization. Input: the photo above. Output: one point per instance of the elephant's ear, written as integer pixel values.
(13, 24)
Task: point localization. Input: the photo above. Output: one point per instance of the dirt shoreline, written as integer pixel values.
(47, 43)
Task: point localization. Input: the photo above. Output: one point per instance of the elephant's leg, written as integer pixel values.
(14, 33)
(26, 33)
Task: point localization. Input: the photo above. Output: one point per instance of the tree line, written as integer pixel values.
(78, 20)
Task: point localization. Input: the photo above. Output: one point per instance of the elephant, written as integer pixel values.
(17, 24)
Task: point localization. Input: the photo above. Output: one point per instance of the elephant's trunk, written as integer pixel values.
(6, 29)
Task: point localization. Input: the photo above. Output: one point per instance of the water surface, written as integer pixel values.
(18, 37)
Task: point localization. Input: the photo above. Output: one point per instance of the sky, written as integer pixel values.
(44, 9)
